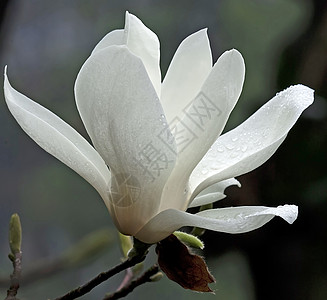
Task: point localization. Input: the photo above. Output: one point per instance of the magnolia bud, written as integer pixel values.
(126, 243)
(156, 277)
(15, 234)
(189, 239)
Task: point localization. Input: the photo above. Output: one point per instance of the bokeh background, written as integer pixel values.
(284, 42)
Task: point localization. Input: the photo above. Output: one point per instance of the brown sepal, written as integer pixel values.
(187, 269)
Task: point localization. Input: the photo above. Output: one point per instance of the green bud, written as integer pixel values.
(15, 234)
(156, 277)
(189, 239)
(126, 243)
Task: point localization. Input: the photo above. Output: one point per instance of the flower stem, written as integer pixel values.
(145, 277)
(15, 277)
(87, 287)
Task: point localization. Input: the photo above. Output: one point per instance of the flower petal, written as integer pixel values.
(144, 43)
(115, 37)
(220, 186)
(124, 118)
(58, 138)
(141, 41)
(188, 70)
(230, 220)
(207, 199)
(250, 144)
(213, 193)
(203, 121)
(206, 115)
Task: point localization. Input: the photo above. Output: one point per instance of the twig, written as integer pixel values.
(15, 277)
(82, 290)
(84, 251)
(145, 277)
(39, 270)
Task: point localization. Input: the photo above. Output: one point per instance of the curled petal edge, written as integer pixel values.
(229, 220)
(213, 193)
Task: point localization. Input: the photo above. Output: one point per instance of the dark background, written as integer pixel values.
(284, 42)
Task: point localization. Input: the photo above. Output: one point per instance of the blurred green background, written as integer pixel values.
(284, 42)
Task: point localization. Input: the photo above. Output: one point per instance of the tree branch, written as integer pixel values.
(15, 277)
(145, 277)
(82, 290)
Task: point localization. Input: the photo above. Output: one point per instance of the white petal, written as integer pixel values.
(206, 115)
(115, 37)
(58, 138)
(220, 186)
(144, 43)
(249, 145)
(207, 199)
(141, 41)
(204, 119)
(188, 70)
(125, 120)
(214, 192)
(230, 220)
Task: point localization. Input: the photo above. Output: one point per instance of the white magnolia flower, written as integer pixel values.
(157, 145)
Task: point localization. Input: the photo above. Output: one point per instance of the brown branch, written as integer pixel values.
(40, 269)
(144, 278)
(15, 277)
(84, 251)
(82, 290)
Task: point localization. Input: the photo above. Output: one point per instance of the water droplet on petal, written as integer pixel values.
(244, 148)
(220, 148)
(215, 166)
(265, 133)
(204, 171)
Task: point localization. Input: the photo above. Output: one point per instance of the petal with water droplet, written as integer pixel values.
(117, 103)
(204, 119)
(230, 220)
(258, 138)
